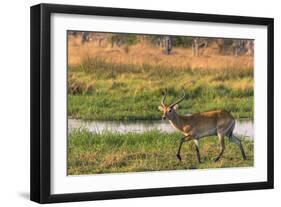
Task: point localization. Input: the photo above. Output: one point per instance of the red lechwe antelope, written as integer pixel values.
(199, 125)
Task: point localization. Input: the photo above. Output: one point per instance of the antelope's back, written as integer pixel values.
(207, 123)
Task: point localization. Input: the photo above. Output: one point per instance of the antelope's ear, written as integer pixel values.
(175, 107)
(160, 108)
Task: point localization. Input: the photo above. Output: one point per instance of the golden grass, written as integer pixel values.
(141, 54)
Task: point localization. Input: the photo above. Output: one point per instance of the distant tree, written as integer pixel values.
(224, 45)
(74, 33)
(157, 40)
(122, 39)
(249, 47)
(239, 47)
(85, 37)
(182, 41)
(197, 44)
(168, 44)
(220, 44)
(165, 42)
(131, 39)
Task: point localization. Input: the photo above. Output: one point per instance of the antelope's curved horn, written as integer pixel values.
(180, 100)
(163, 100)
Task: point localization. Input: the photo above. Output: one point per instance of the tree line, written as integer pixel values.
(167, 42)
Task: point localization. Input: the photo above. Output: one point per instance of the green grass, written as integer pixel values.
(109, 152)
(102, 90)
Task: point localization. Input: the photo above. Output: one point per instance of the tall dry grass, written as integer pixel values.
(142, 54)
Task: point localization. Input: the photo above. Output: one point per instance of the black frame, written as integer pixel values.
(40, 102)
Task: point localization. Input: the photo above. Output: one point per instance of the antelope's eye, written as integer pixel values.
(170, 110)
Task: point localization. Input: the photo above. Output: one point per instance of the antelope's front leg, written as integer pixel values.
(179, 150)
(182, 140)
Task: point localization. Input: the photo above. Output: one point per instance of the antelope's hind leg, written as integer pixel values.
(222, 146)
(197, 150)
(237, 141)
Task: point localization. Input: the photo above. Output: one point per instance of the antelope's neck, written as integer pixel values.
(177, 123)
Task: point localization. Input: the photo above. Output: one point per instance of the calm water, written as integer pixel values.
(243, 127)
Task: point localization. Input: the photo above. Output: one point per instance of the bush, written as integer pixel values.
(77, 86)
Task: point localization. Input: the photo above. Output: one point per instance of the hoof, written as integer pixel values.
(179, 157)
(216, 159)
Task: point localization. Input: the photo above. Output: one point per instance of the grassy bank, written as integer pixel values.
(90, 153)
(102, 90)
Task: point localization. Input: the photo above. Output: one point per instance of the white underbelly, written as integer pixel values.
(208, 132)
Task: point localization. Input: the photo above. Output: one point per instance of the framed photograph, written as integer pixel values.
(132, 103)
